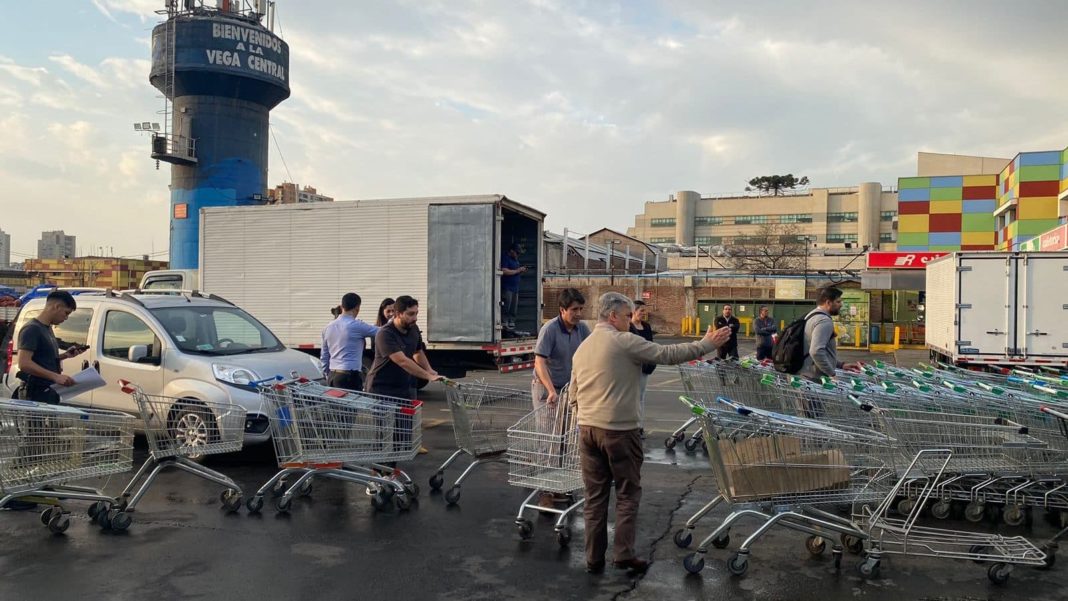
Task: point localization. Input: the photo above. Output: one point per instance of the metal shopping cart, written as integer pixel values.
(345, 435)
(543, 455)
(481, 416)
(180, 431)
(45, 447)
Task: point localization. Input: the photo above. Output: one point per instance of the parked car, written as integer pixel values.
(180, 345)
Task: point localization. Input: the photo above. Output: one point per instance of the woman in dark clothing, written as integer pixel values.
(639, 324)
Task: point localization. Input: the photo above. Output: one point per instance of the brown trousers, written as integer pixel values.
(607, 456)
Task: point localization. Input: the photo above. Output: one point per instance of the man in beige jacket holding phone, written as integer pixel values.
(605, 389)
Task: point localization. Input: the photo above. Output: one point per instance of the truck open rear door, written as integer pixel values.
(462, 285)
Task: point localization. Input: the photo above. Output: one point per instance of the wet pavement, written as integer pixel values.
(334, 545)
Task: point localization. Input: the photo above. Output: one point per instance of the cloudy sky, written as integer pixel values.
(582, 109)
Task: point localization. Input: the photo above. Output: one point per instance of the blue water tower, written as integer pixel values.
(221, 71)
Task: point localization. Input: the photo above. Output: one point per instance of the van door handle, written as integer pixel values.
(85, 365)
(96, 366)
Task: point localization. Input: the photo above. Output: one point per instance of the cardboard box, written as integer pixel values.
(759, 450)
(796, 474)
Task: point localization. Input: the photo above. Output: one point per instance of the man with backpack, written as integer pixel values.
(809, 346)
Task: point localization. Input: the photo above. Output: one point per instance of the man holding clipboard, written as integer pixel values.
(39, 359)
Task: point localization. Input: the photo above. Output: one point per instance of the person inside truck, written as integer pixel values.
(344, 341)
(510, 273)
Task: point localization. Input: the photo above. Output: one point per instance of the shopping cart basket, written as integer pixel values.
(45, 447)
(339, 434)
(481, 416)
(543, 455)
(180, 431)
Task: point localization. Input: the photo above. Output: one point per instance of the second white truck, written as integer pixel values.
(998, 308)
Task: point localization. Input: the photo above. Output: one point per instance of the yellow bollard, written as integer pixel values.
(782, 324)
(697, 328)
(682, 326)
(856, 332)
(747, 324)
(897, 337)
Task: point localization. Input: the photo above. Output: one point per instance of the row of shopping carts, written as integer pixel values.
(885, 441)
(317, 432)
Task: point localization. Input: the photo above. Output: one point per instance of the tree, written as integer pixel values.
(776, 184)
(772, 249)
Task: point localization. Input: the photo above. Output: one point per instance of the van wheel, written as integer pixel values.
(190, 424)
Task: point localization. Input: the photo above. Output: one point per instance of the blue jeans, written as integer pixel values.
(509, 308)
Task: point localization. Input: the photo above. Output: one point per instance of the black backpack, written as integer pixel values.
(789, 351)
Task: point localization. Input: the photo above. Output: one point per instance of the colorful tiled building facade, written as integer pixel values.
(984, 212)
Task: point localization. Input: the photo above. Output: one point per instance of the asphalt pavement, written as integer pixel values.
(334, 545)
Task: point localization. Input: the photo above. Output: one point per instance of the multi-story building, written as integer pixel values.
(56, 245)
(845, 217)
(289, 193)
(5, 250)
(93, 272)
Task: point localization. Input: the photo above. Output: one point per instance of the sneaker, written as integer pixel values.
(632, 565)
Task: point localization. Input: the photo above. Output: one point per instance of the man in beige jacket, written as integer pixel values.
(605, 390)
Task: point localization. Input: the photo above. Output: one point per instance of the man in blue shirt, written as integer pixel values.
(343, 345)
(510, 271)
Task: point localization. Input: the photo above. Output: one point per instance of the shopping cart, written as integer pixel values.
(345, 435)
(45, 447)
(543, 455)
(481, 416)
(180, 431)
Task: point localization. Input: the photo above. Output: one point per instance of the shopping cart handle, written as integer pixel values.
(694, 407)
(740, 408)
(864, 405)
(1001, 421)
(266, 380)
(1054, 413)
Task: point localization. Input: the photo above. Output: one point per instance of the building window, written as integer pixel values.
(665, 240)
(708, 221)
(832, 238)
(707, 240)
(886, 236)
(796, 218)
(887, 215)
(662, 222)
(841, 218)
(750, 219)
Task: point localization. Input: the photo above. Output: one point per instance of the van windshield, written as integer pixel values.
(216, 330)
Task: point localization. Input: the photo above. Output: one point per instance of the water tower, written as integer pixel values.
(221, 70)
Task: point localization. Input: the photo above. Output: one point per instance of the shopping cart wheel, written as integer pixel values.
(305, 489)
(96, 508)
(691, 444)
(380, 501)
(941, 509)
(279, 488)
(58, 523)
(853, 544)
(525, 528)
(283, 504)
(738, 564)
(680, 436)
(694, 563)
(1014, 515)
(670, 442)
(49, 512)
(404, 502)
(683, 538)
(974, 512)
(999, 573)
(119, 520)
(906, 505)
(978, 550)
(412, 489)
(722, 541)
(437, 480)
(563, 536)
(230, 499)
(254, 504)
(452, 496)
(869, 568)
(816, 545)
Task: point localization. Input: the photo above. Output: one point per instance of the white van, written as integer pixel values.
(180, 345)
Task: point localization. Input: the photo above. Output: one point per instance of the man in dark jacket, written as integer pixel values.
(765, 330)
(728, 320)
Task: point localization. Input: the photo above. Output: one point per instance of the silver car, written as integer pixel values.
(177, 345)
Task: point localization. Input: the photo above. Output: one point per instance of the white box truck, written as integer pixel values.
(289, 264)
(998, 308)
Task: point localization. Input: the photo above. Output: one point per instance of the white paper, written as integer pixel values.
(84, 381)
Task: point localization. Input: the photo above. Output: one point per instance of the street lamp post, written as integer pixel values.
(805, 273)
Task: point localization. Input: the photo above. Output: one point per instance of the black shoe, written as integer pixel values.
(595, 568)
(19, 505)
(632, 565)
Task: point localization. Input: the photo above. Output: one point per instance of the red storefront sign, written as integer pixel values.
(900, 260)
(1056, 239)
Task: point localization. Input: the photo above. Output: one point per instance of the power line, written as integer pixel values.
(282, 156)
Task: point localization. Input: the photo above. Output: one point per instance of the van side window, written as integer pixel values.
(123, 330)
(73, 331)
